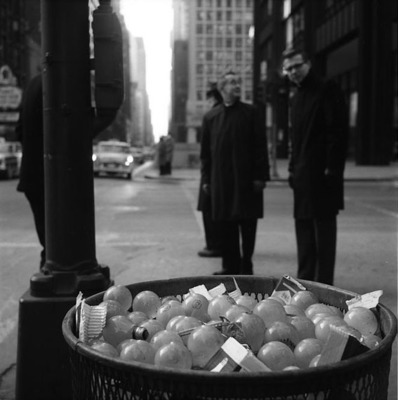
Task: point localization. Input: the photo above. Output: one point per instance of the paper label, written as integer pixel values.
(368, 300)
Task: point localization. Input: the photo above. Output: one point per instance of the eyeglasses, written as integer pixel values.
(294, 66)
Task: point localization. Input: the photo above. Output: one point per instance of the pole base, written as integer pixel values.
(70, 283)
(43, 369)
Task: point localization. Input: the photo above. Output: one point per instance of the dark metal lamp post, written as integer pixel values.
(69, 127)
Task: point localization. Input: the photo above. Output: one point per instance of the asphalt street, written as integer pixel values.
(148, 228)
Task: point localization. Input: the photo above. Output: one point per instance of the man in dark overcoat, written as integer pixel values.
(210, 227)
(319, 132)
(30, 133)
(234, 170)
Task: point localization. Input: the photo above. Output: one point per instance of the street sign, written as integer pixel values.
(9, 116)
(10, 97)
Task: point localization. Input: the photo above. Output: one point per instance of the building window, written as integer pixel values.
(209, 56)
(199, 29)
(238, 29)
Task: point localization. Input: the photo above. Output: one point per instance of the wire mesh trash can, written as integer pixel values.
(363, 377)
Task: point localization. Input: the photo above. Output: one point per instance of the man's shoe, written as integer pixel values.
(209, 253)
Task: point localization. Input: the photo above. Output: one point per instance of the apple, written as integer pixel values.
(306, 350)
(161, 338)
(121, 294)
(187, 323)
(276, 356)
(246, 300)
(270, 311)
(172, 323)
(363, 319)
(139, 351)
(147, 302)
(318, 317)
(124, 343)
(173, 355)
(195, 305)
(166, 299)
(152, 326)
(105, 348)
(282, 332)
(371, 341)
(235, 311)
(305, 327)
(137, 317)
(203, 343)
(315, 361)
(113, 308)
(253, 330)
(219, 305)
(317, 308)
(322, 328)
(117, 329)
(169, 310)
(277, 299)
(303, 299)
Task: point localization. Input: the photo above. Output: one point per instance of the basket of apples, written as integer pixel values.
(230, 337)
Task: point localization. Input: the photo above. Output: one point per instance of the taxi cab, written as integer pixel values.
(114, 158)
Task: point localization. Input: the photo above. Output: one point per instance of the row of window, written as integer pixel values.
(220, 42)
(224, 29)
(223, 56)
(237, 16)
(224, 3)
(244, 70)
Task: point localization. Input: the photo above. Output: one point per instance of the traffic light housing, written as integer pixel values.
(108, 58)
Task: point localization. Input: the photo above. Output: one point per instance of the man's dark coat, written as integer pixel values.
(233, 155)
(319, 144)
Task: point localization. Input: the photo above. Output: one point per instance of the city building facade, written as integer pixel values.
(218, 36)
(351, 41)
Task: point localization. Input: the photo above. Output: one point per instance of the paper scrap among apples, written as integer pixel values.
(367, 300)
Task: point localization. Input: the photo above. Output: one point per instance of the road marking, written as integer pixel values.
(373, 208)
(192, 201)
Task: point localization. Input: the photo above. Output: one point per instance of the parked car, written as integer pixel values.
(113, 157)
(10, 159)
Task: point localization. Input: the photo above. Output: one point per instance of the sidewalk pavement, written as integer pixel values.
(279, 172)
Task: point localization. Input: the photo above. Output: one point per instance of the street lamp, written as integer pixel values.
(69, 126)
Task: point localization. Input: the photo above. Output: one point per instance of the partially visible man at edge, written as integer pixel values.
(234, 170)
(319, 134)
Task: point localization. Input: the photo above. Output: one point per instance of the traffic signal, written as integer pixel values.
(108, 58)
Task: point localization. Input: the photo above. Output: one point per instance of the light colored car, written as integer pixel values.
(113, 157)
(10, 159)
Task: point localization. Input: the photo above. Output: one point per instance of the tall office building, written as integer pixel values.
(219, 36)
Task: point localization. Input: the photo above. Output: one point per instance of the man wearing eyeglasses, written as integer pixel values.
(319, 132)
(234, 170)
